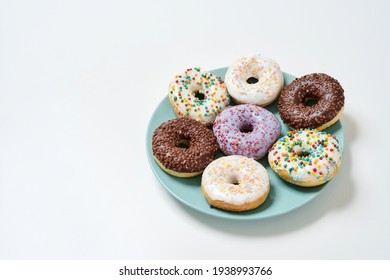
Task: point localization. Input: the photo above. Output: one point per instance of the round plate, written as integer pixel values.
(283, 196)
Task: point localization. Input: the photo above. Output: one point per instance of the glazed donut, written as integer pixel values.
(254, 80)
(235, 183)
(246, 130)
(183, 147)
(326, 92)
(199, 95)
(306, 157)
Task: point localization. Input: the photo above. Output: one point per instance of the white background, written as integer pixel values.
(79, 81)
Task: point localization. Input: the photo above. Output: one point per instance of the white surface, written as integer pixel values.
(79, 81)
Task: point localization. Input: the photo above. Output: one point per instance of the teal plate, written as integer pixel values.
(283, 196)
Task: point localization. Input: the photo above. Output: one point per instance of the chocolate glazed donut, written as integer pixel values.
(183, 147)
(312, 101)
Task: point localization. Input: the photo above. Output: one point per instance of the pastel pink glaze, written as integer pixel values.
(230, 122)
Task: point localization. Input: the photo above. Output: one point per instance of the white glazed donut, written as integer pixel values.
(306, 157)
(254, 80)
(235, 183)
(198, 95)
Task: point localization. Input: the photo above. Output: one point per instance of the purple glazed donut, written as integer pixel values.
(246, 130)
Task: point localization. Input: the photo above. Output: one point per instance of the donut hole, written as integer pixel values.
(310, 101)
(184, 143)
(301, 152)
(246, 128)
(199, 94)
(252, 80)
(234, 181)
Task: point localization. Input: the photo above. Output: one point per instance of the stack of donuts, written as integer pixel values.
(229, 115)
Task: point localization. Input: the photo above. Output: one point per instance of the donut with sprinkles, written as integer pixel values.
(235, 183)
(254, 80)
(246, 130)
(183, 147)
(312, 101)
(306, 158)
(198, 95)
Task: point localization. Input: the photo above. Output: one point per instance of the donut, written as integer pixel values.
(246, 130)
(235, 183)
(306, 157)
(312, 101)
(183, 147)
(254, 80)
(198, 95)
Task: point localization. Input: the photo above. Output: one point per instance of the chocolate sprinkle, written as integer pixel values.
(319, 86)
(202, 145)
